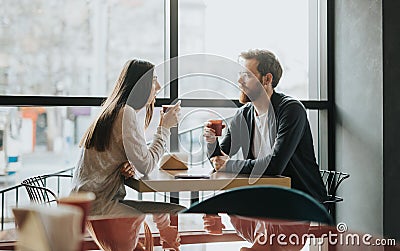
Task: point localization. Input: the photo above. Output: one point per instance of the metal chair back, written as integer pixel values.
(332, 181)
(38, 192)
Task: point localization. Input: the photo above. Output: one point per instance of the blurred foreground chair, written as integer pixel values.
(115, 240)
(332, 181)
(271, 202)
(38, 192)
(114, 233)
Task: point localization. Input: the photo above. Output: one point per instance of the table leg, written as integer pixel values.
(194, 197)
(174, 198)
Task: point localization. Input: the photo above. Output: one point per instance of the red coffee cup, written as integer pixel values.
(165, 108)
(216, 124)
(81, 200)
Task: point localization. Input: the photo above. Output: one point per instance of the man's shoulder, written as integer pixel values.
(283, 101)
(242, 113)
(244, 109)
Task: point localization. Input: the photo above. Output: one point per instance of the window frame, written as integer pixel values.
(322, 80)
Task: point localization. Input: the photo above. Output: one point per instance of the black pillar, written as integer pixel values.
(391, 118)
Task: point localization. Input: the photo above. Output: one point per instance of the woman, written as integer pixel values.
(116, 137)
(115, 141)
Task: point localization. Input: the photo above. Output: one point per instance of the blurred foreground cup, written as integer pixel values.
(48, 228)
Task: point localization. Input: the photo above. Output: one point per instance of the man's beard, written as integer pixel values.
(244, 99)
(249, 97)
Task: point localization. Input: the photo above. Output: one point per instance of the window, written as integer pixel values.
(226, 28)
(77, 48)
(42, 139)
(59, 59)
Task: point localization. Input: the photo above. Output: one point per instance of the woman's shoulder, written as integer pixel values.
(128, 117)
(127, 112)
(127, 109)
(125, 117)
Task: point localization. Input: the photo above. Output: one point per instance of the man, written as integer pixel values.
(284, 147)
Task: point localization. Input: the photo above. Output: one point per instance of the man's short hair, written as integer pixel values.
(267, 63)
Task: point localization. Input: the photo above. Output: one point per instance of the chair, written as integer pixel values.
(332, 180)
(265, 201)
(38, 192)
(120, 233)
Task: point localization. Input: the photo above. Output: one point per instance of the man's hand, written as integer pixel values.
(127, 170)
(213, 224)
(219, 161)
(209, 133)
(169, 238)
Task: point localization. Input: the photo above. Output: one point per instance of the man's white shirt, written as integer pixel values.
(261, 142)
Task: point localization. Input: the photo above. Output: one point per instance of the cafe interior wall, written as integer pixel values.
(366, 88)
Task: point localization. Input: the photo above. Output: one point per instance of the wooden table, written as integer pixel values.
(164, 181)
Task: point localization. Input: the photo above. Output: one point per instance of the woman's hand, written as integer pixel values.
(127, 170)
(171, 117)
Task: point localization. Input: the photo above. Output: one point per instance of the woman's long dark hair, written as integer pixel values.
(99, 133)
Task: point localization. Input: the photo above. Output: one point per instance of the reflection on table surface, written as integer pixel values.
(271, 234)
(219, 232)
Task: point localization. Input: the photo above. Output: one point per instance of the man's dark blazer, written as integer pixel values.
(291, 141)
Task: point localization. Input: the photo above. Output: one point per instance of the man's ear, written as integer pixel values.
(267, 79)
